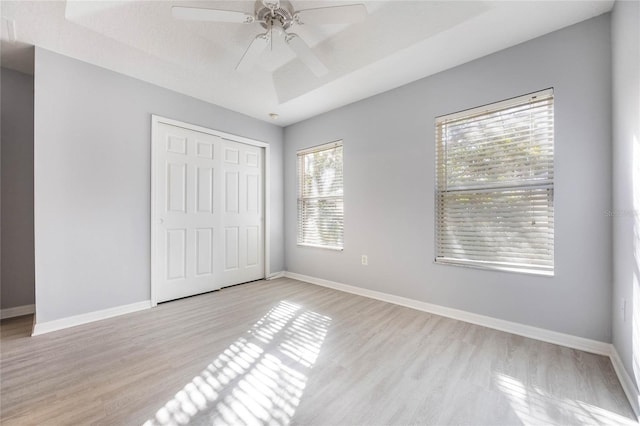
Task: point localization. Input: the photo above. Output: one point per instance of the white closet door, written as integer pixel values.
(243, 240)
(208, 213)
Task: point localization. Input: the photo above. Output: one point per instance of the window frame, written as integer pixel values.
(524, 185)
(301, 199)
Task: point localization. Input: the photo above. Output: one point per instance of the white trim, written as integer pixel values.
(319, 246)
(549, 336)
(17, 311)
(494, 266)
(266, 207)
(160, 119)
(62, 323)
(157, 119)
(633, 395)
(275, 275)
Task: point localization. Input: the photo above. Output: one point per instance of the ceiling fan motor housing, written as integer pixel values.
(280, 16)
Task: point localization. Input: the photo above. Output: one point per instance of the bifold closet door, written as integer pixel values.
(242, 217)
(208, 213)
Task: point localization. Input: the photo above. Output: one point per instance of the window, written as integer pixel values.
(494, 185)
(320, 196)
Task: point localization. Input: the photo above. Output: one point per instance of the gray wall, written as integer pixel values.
(92, 182)
(389, 181)
(626, 186)
(17, 273)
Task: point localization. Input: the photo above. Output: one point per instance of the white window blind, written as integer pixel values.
(320, 196)
(494, 185)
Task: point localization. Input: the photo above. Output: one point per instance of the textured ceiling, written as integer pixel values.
(398, 42)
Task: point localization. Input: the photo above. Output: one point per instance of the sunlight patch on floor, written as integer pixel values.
(534, 406)
(259, 379)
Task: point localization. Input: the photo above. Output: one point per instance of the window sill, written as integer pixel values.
(333, 248)
(495, 267)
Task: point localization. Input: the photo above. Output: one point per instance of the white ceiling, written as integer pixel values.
(399, 42)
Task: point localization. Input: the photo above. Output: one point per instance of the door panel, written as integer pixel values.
(244, 247)
(176, 144)
(204, 251)
(232, 192)
(204, 189)
(187, 212)
(231, 155)
(253, 193)
(253, 248)
(176, 187)
(232, 261)
(176, 253)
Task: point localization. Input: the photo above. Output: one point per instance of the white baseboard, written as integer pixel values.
(17, 311)
(59, 324)
(275, 275)
(549, 336)
(628, 386)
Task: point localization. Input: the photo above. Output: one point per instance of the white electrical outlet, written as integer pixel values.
(365, 260)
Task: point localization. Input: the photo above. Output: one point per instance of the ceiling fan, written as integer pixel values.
(277, 17)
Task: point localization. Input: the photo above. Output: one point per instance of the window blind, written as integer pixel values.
(494, 185)
(320, 196)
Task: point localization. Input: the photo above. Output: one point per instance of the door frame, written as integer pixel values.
(155, 121)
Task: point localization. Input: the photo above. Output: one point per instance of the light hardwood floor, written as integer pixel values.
(286, 352)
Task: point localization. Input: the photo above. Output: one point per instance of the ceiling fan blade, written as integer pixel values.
(305, 54)
(347, 14)
(215, 15)
(252, 54)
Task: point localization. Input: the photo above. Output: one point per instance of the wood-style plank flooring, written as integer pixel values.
(286, 352)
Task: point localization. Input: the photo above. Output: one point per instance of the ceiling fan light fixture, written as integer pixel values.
(271, 4)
